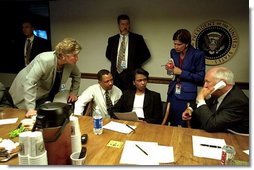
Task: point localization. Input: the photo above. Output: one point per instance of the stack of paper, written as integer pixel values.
(8, 121)
(146, 153)
(119, 127)
(207, 147)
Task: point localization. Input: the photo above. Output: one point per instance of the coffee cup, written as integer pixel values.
(76, 160)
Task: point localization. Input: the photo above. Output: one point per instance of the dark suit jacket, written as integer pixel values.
(152, 105)
(39, 45)
(193, 73)
(138, 53)
(233, 113)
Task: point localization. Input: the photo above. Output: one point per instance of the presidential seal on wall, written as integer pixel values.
(218, 39)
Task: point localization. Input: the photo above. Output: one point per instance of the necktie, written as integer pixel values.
(213, 107)
(108, 101)
(28, 50)
(121, 56)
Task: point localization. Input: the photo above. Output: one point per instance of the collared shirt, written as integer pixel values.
(31, 41)
(126, 48)
(97, 94)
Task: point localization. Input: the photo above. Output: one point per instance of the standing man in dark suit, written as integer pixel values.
(226, 110)
(126, 52)
(31, 45)
(146, 103)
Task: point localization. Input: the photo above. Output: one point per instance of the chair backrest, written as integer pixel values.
(88, 111)
(165, 112)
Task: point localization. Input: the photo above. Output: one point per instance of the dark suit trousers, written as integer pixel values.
(124, 80)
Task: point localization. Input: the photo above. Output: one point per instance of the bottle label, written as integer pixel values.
(97, 123)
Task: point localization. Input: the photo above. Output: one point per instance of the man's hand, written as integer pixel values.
(203, 93)
(30, 113)
(186, 115)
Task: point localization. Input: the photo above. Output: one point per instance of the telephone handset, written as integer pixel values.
(221, 84)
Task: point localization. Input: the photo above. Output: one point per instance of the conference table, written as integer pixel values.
(98, 153)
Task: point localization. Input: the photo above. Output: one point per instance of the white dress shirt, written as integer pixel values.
(97, 94)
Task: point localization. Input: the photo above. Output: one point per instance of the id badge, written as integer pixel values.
(62, 87)
(178, 88)
(123, 64)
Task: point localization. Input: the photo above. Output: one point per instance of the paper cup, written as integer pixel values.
(75, 129)
(24, 143)
(38, 160)
(37, 147)
(76, 160)
(23, 160)
(76, 143)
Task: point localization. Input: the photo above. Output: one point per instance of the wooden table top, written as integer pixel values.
(98, 153)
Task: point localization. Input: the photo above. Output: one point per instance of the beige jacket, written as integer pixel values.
(36, 80)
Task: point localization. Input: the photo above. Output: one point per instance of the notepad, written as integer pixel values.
(118, 127)
(146, 153)
(115, 144)
(205, 151)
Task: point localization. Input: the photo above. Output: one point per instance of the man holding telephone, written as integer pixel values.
(220, 105)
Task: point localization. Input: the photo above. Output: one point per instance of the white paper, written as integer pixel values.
(154, 153)
(133, 155)
(118, 127)
(165, 154)
(8, 121)
(247, 151)
(205, 151)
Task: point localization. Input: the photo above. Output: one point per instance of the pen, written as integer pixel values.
(212, 146)
(130, 127)
(141, 149)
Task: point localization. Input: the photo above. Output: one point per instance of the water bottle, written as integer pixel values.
(97, 122)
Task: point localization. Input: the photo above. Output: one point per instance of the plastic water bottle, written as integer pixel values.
(97, 122)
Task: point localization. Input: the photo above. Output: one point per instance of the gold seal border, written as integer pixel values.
(231, 30)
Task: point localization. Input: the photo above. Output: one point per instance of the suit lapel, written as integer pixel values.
(147, 99)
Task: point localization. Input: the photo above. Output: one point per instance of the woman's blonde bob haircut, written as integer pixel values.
(67, 46)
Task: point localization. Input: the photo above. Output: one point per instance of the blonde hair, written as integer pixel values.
(67, 46)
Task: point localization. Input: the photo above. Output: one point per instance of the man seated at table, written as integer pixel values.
(98, 94)
(146, 103)
(232, 110)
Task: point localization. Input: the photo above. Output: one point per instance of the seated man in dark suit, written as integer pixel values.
(146, 103)
(226, 110)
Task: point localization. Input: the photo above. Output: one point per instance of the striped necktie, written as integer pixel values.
(108, 101)
(28, 50)
(121, 56)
